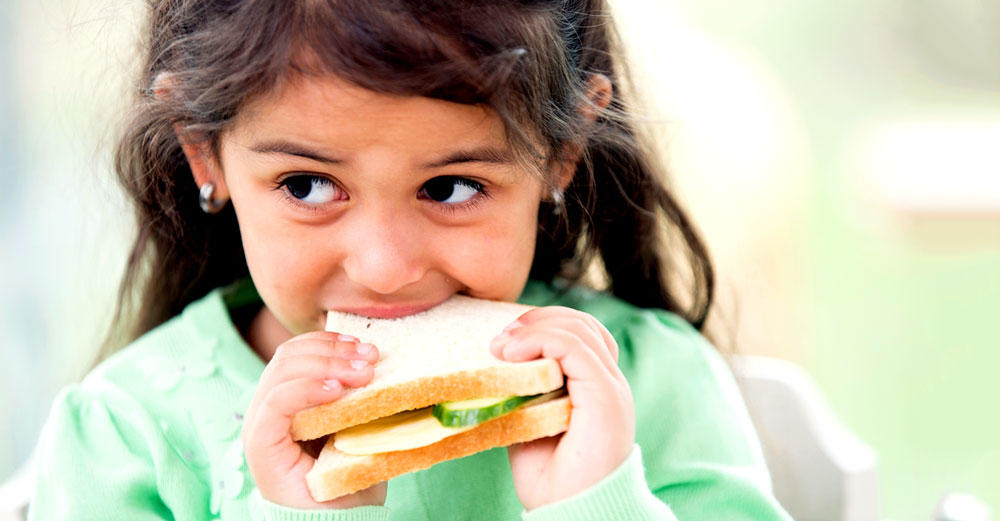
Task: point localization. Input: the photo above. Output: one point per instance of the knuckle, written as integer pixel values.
(345, 348)
(581, 323)
(278, 369)
(275, 404)
(282, 351)
(331, 348)
(335, 365)
(269, 404)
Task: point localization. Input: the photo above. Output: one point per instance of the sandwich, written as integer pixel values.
(437, 394)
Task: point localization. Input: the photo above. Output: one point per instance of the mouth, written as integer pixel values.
(389, 310)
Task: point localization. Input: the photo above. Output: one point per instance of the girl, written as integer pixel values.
(289, 158)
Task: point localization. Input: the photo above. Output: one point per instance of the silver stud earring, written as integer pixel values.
(205, 200)
(558, 201)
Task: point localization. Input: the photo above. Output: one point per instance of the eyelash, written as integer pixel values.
(484, 194)
(281, 185)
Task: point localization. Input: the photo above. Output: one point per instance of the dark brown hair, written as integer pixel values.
(527, 61)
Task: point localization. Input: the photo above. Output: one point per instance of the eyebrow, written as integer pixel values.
(292, 149)
(483, 154)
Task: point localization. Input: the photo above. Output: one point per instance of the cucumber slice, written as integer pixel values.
(474, 412)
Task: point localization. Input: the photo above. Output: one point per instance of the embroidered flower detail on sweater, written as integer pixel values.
(233, 458)
(228, 486)
(184, 450)
(168, 374)
(233, 477)
(226, 427)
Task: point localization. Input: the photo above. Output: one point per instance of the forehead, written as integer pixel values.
(334, 112)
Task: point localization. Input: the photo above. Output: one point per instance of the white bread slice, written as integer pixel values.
(336, 474)
(439, 355)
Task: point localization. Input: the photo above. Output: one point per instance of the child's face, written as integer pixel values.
(383, 206)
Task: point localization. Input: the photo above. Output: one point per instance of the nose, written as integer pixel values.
(383, 252)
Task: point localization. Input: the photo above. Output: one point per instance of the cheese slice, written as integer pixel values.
(402, 431)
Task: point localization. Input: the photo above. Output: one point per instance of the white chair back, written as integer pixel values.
(820, 471)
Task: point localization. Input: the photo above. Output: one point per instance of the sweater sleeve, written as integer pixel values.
(264, 510)
(97, 460)
(623, 494)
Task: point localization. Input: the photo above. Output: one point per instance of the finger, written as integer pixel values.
(587, 320)
(288, 398)
(528, 460)
(332, 344)
(327, 346)
(351, 373)
(588, 335)
(587, 328)
(269, 431)
(319, 343)
(321, 335)
(576, 360)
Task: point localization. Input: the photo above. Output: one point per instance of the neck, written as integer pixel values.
(265, 334)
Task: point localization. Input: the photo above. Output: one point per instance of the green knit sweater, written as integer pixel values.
(154, 433)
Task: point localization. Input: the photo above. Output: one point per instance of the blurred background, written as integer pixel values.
(842, 160)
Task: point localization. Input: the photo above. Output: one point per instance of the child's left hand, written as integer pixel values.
(602, 427)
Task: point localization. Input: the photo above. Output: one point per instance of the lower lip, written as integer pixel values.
(388, 311)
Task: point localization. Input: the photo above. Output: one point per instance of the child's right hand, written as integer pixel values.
(307, 370)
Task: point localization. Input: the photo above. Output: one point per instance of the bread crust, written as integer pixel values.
(365, 405)
(336, 474)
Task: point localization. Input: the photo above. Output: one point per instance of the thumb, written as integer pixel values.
(529, 461)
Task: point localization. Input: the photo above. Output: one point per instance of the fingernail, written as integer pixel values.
(347, 338)
(365, 348)
(498, 341)
(328, 385)
(513, 325)
(359, 364)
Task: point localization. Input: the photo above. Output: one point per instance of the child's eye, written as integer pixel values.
(451, 190)
(311, 189)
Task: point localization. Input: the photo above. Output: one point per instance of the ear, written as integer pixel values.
(597, 97)
(198, 151)
(204, 165)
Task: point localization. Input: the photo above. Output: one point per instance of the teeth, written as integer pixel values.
(403, 431)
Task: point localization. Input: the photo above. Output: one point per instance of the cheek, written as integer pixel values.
(496, 257)
(287, 275)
